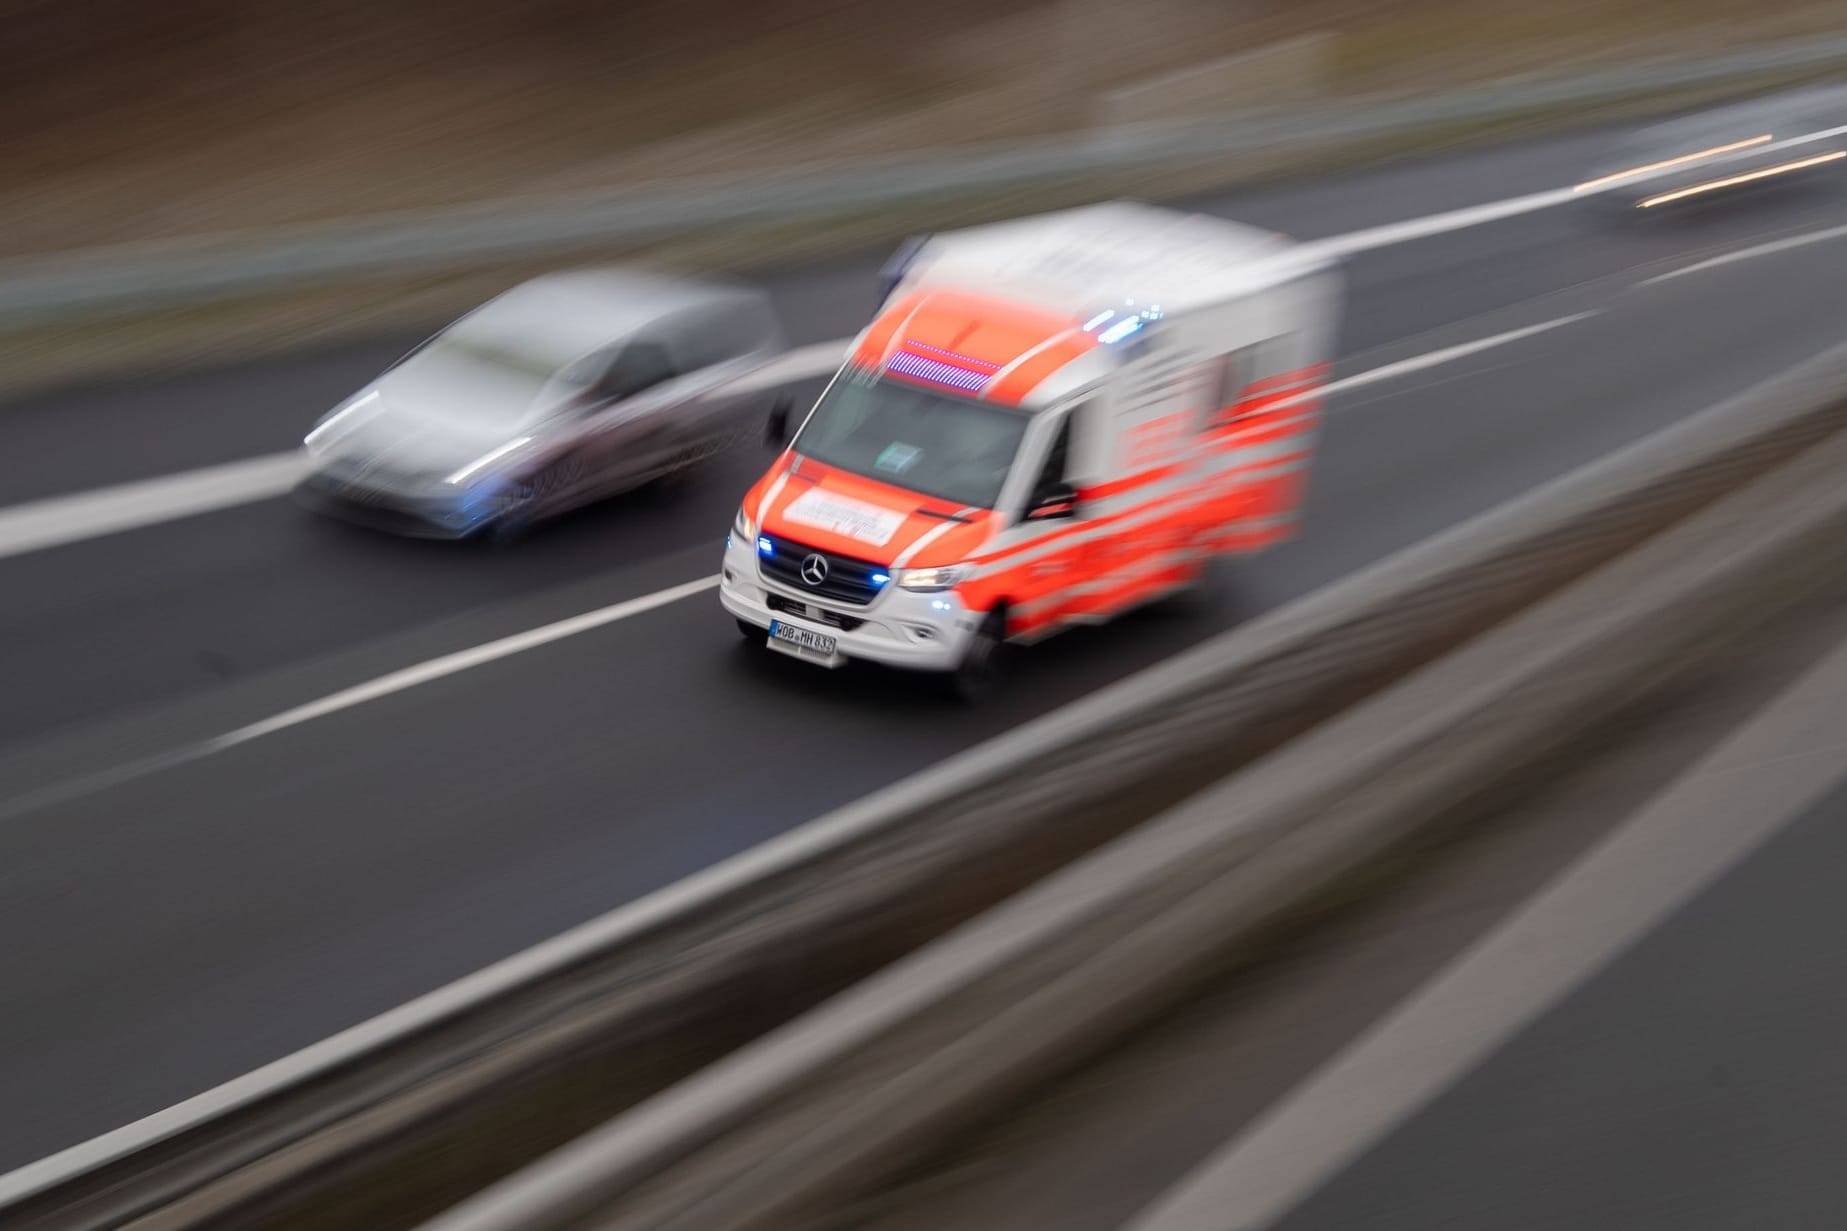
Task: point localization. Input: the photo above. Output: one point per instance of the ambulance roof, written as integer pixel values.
(1102, 255)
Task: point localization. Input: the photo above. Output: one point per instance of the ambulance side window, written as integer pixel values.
(1052, 485)
(1057, 461)
(1245, 367)
(1240, 371)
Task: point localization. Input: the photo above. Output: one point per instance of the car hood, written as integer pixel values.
(425, 429)
(863, 518)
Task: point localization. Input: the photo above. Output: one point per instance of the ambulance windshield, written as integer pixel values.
(908, 436)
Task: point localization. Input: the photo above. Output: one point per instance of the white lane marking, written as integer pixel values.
(1449, 354)
(1751, 253)
(67, 519)
(1439, 224)
(462, 660)
(1684, 840)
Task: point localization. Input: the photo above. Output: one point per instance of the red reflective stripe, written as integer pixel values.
(1103, 491)
(1136, 510)
(1313, 372)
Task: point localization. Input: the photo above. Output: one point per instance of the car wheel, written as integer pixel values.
(978, 674)
(515, 523)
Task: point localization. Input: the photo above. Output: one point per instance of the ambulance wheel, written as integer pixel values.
(977, 675)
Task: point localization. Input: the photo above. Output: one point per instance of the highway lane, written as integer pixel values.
(132, 621)
(198, 921)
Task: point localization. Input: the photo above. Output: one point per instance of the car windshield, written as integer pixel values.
(485, 378)
(925, 442)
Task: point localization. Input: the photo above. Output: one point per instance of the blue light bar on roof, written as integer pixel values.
(917, 367)
(1120, 330)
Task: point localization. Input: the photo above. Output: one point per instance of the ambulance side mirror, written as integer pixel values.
(1054, 502)
(776, 429)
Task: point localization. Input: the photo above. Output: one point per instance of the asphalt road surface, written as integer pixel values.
(175, 926)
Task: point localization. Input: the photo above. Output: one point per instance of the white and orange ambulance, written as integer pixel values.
(1050, 421)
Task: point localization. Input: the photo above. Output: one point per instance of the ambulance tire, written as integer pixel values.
(977, 675)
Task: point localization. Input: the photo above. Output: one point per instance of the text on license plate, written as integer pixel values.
(819, 643)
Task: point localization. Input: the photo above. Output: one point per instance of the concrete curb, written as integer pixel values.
(772, 1135)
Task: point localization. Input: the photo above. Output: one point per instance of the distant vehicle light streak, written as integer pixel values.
(1730, 181)
(1669, 163)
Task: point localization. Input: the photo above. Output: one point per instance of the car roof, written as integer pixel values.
(567, 315)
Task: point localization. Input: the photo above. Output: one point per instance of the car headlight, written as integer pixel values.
(340, 422)
(743, 526)
(930, 580)
(487, 459)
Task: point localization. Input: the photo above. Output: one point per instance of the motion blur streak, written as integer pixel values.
(1651, 168)
(1733, 181)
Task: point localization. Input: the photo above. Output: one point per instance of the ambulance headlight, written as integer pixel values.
(930, 580)
(742, 526)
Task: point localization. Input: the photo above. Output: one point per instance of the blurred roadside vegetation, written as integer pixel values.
(131, 120)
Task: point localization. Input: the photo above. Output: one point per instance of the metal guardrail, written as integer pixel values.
(147, 276)
(792, 1129)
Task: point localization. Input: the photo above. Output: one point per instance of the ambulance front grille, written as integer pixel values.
(848, 580)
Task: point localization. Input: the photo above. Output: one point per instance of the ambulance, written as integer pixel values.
(1050, 421)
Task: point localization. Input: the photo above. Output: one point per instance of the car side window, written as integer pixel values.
(639, 367)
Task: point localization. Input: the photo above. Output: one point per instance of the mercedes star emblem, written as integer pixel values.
(814, 569)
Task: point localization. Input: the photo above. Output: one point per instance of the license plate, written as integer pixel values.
(802, 638)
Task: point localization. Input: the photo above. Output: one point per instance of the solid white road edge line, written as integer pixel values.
(1440, 224)
(68, 519)
(1684, 840)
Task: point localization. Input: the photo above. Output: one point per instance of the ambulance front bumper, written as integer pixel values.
(898, 628)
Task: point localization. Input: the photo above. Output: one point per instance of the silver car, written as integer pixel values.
(1767, 142)
(564, 390)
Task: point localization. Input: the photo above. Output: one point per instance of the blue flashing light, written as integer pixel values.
(765, 547)
(879, 579)
(939, 605)
(1120, 330)
(1098, 319)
